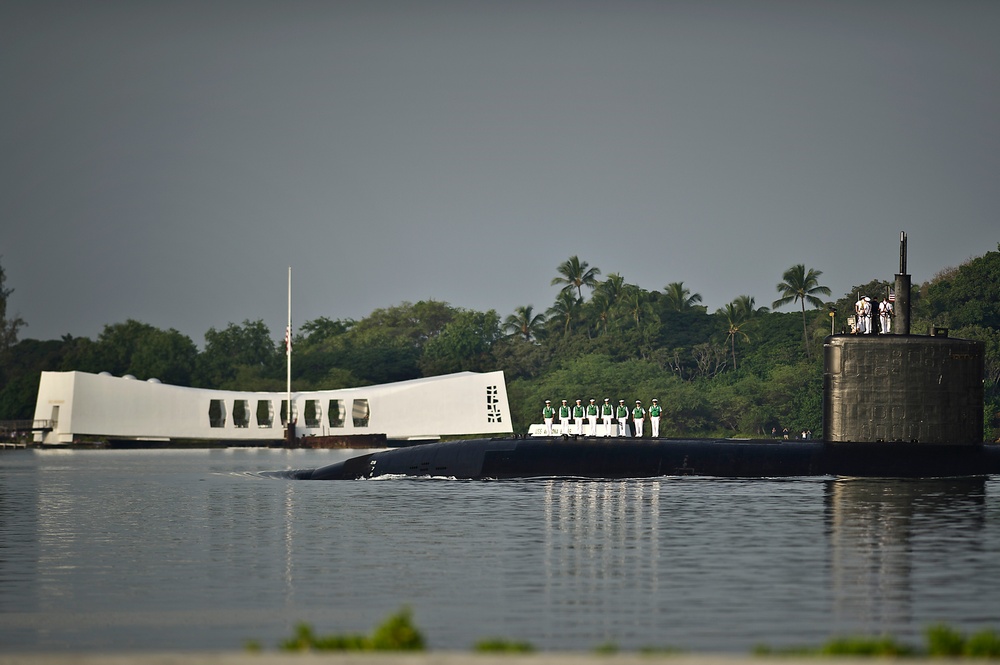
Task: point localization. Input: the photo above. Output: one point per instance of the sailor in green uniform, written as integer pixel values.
(564, 418)
(607, 412)
(621, 414)
(578, 416)
(592, 417)
(638, 417)
(654, 418)
(548, 413)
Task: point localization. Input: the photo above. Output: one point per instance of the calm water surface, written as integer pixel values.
(203, 549)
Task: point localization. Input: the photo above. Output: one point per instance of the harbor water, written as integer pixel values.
(182, 550)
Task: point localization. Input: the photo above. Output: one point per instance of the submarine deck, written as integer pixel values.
(599, 457)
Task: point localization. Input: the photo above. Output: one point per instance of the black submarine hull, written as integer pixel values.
(610, 458)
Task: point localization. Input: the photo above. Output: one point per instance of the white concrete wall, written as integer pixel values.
(466, 403)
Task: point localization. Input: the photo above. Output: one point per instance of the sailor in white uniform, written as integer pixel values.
(592, 413)
(638, 418)
(654, 418)
(885, 316)
(578, 418)
(564, 418)
(621, 414)
(863, 310)
(548, 413)
(607, 414)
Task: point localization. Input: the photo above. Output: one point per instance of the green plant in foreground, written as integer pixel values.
(500, 645)
(865, 646)
(396, 633)
(942, 641)
(660, 651)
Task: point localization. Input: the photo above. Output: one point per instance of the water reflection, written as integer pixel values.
(874, 526)
(602, 540)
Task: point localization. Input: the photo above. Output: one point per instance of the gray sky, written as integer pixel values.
(167, 161)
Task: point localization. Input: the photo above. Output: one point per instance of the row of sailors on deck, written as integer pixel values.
(571, 419)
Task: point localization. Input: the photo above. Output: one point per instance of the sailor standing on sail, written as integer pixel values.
(548, 413)
(607, 412)
(622, 416)
(863, 310)
(592, 417)
(885, 316)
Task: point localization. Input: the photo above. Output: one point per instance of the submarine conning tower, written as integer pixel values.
(903, 388)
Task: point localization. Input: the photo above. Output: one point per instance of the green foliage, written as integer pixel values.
(525, 323)
(21, 372)
(576, 274)
(166, 355)
(246, 345)
(396, 633)
(942, 641)
(865, 646)
(464, 344)
(118, 342)
(968, 295)
(660, 651)
(501, 645)
(8, 326)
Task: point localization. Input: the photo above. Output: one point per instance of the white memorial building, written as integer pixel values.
(80, 404)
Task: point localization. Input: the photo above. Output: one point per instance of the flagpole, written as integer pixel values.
(288, 354)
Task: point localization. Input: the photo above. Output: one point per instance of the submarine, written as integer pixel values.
(894, 406)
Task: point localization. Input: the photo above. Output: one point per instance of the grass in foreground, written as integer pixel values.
(397, 633)
(942, 641)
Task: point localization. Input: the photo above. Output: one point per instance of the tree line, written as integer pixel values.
(740, 370)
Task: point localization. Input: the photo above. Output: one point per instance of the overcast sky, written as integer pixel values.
(168, 161)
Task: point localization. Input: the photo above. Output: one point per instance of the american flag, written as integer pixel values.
(288, 339)
(892, 295)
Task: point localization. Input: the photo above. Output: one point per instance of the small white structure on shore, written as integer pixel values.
(100, 405)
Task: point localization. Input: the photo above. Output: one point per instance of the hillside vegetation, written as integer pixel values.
(741, 370)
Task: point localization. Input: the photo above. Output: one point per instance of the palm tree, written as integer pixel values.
(799, 285)
(613, 287)
(747, 308)
(679, 298)
(576, 274)
(637, 302)
(524, 322)
(608, 297)
(735, 319)
(565, 309)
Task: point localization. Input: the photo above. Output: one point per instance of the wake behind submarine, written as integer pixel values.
(894, 405)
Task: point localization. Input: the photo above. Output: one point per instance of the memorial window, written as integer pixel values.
(217, 413)
(312, 413)
(335, 413)
(265, 413)
(241, 413)
(360, 413)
